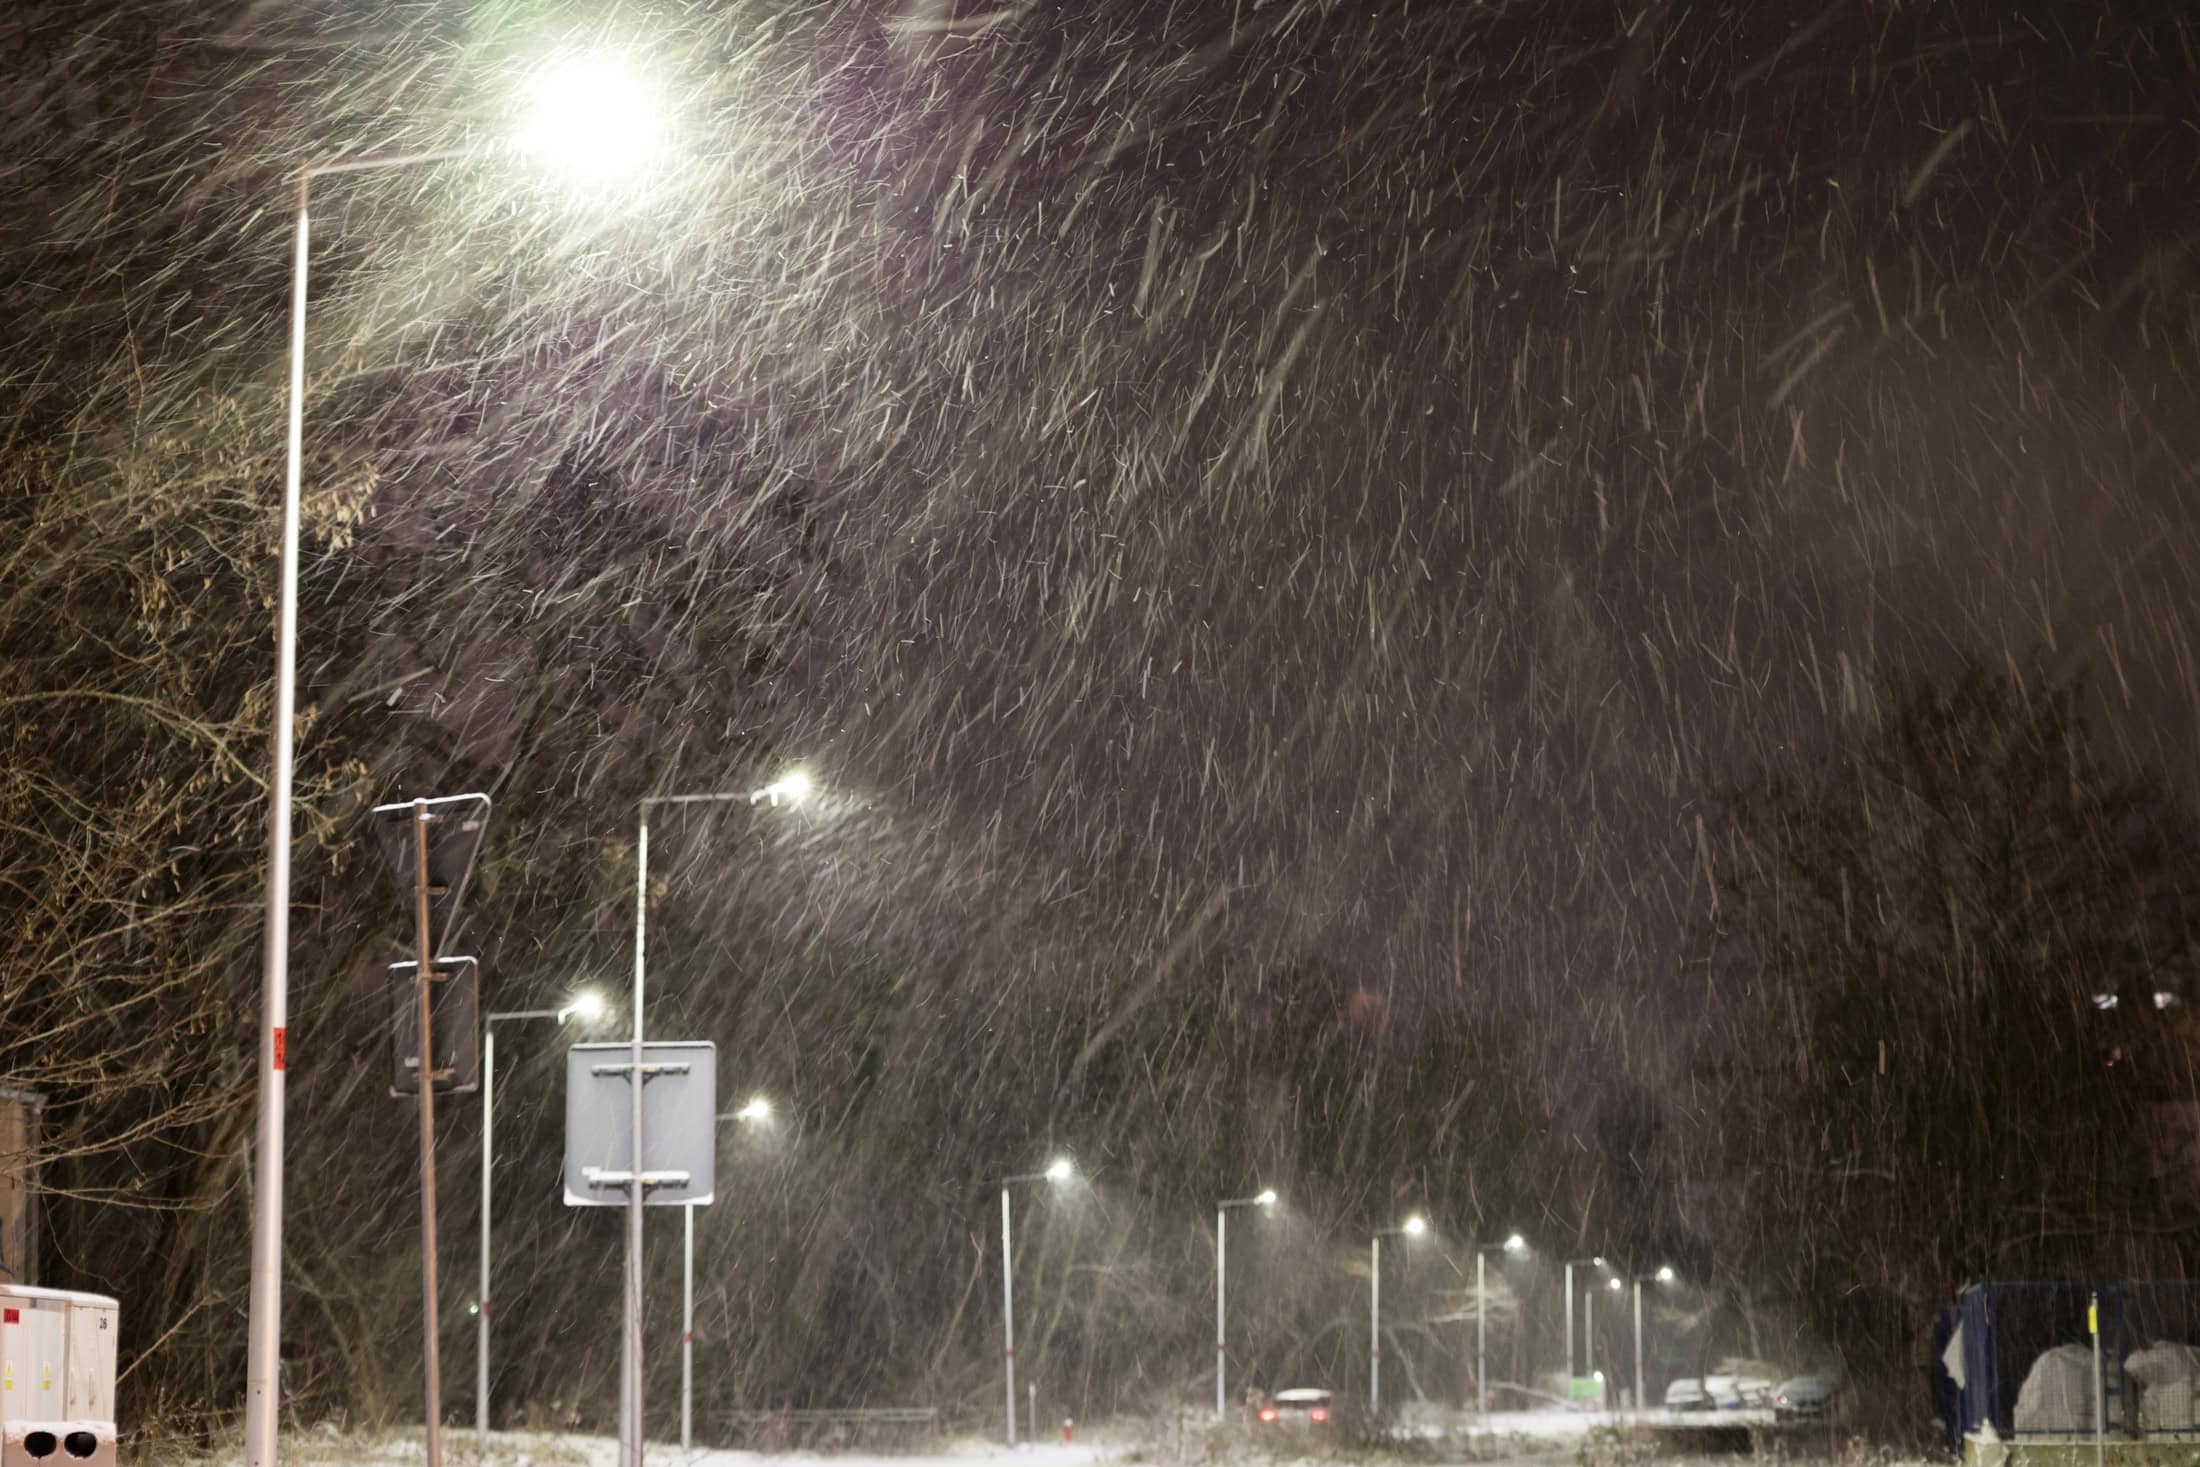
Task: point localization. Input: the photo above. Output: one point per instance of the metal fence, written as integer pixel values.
(902, 1427)
(2023, 1359)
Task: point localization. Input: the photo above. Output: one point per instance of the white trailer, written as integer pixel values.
(57, 1378)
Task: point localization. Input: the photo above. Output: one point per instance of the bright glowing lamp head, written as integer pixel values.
(1516, 1244)
(1059, 1170)
(1614, 1285)
(791, 788)
(1416, 1225)
(1267, 1198)
(587, 1006)
(592, 117)
(1665, 1275)
(1599, 1261)
(758, 1109)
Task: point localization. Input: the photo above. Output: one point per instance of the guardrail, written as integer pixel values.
(845, 1427)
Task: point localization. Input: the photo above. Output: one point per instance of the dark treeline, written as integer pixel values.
(1582, 620)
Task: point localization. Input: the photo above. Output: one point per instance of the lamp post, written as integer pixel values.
(1513, 1244)
(587, 1007)
(1412, 1227)
(757, 1112)
(1265, 1198)
(1059, 1170)
(1663, 1276)
(791, 788)
(1589, 1333)
(1596, 1262)
(615, 128)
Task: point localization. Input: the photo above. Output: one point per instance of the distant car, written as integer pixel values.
(1755, 1391)
(1298, 1407)
(1805, 1397)
(1687, 1395)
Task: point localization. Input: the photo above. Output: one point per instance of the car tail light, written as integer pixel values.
(1267, 1413)
(1319, 1413)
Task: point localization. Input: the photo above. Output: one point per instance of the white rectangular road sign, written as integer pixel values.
(679, 1123)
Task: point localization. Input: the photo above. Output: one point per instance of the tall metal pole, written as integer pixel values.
(1641, 1401)
(1481, 1333)
(1222, 1254)
(631, 1398)
(1589, 1338)
(481, 1319)
(1375, 1324)
(424, 1077)
(1569, 1334)
(1008, 1312)
(687, 1325)
(2100, 1380)
(264, 1348)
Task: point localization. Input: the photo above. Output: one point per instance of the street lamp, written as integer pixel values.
(1412, 1227)
(1589, 1334)
(756, 1113)
(1596, 1261)
(1663, 1276)
(790, 788)
(1058, 1171)
(1265, 1198)
(590, 116)
(1513, 1244)
(586, 1006)
(611, 127)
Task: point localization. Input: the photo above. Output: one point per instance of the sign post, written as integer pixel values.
(436, 871)
(665, 1093)
(431, 1360)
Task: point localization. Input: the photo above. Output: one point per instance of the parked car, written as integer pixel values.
(1805, 1397)
(1687, 1395)
(1300, 1406)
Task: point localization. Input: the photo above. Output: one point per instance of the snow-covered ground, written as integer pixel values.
(1546, 1430)
(525, 1449)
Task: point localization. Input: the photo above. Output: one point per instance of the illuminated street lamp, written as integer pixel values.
(1058, 1171)
(590, 117)
(757, 1112)
(587, 1006)
(1663, 1276)
(1412, 1227)
(1594, 1262)
(1514, 1244)
(789, 789)
(1264, 1198)
(617, 121)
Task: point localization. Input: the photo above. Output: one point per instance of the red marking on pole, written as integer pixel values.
(278, 1036)
(687, 1337)
(14, 1316)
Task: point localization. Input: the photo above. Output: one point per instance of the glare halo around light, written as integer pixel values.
(592, 118)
